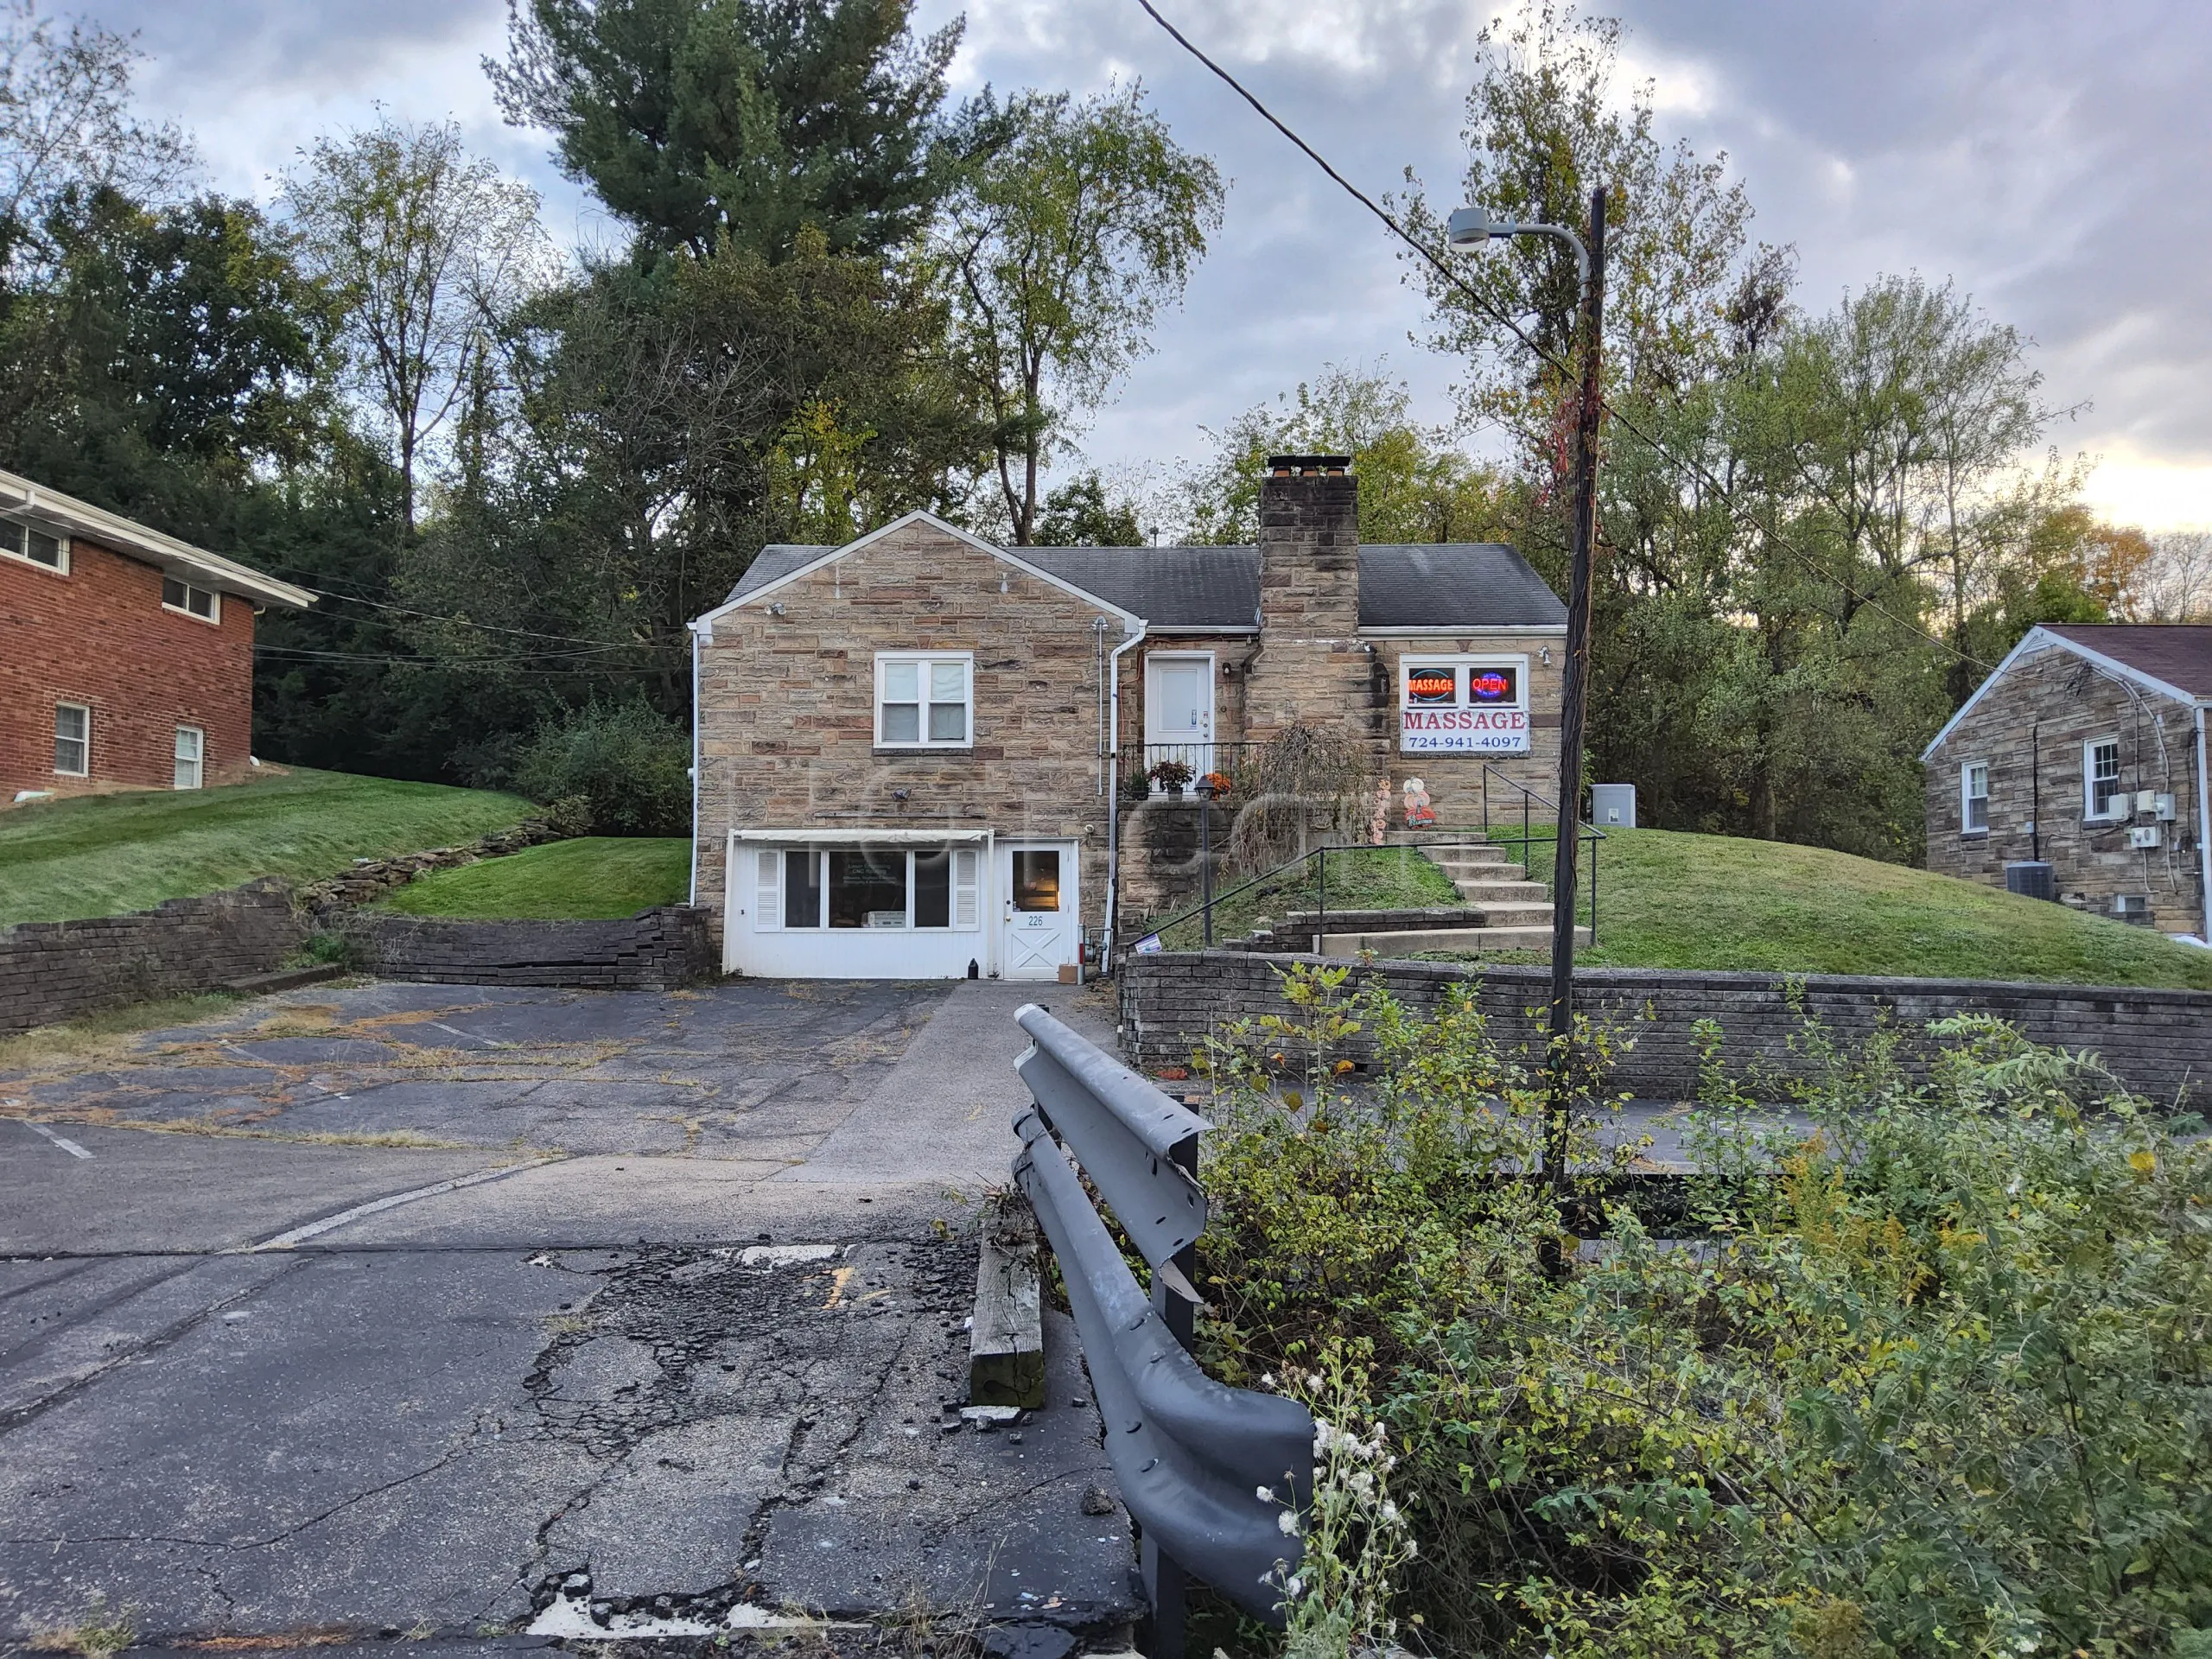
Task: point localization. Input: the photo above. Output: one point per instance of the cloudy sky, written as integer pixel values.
(2046, 156)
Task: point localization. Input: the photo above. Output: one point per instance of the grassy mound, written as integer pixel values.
(1667, 899)
(592, 877)
(103, 854)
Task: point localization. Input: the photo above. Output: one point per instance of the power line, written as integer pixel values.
(1483, 303)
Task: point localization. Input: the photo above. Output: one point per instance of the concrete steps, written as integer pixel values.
(1446, 939)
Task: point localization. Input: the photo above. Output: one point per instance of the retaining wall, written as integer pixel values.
(2160, 1042)
(654, 949)
(57, 970)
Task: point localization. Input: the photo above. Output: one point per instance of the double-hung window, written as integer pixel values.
(191, 756)
(1973, 799)
(34, 546)
(72, 740)
(202, 602)
(924, 701)
(2100, 778)
(878, 887)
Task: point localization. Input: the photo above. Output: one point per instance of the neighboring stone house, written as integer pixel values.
(126, 656)
(912, 751)
(2084, 748)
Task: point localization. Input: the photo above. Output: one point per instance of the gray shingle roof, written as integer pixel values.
(1436, 585)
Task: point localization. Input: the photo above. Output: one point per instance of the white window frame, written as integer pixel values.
(964, 906)
(2089, 813)
(86, 770)
(1414, 662)
(198, 757)
(1967, 798)
(215, 617)
(923, 661)
(29, 530)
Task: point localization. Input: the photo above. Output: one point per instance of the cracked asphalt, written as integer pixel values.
(494, 1317)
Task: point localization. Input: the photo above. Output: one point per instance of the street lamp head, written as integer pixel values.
(1470, 227)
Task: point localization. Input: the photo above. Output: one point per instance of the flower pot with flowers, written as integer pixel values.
(1171, 776)
(1216, 784)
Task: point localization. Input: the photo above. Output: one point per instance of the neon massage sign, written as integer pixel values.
(1464, 706)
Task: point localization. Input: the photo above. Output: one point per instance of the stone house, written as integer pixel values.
(126, 656)
(916, 754)
(2085, 749)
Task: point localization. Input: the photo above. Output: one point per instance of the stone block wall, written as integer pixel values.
(52, 971)
(2055, 702)
(2159, 1041)
(655, 949)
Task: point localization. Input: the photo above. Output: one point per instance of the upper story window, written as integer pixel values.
(2100, 778)
(203, 603)
(34, 546)
(923, 701)
(1973, 799)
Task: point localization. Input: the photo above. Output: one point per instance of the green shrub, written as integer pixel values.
(629, 766)
(1935, 1378)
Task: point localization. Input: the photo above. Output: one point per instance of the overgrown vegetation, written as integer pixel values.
(629, 766)
(103, 854)
(1928, 1379)
(595, 876)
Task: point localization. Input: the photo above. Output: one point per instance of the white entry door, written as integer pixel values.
(1038, 914)
(1178, 709)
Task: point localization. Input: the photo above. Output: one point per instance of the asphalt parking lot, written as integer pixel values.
(494, 1317)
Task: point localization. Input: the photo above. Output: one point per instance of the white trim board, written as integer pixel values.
(1129, 620)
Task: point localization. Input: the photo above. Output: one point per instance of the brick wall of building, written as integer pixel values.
(787, 711)
(2051, 703)
(2158, 1041)
(100, 637)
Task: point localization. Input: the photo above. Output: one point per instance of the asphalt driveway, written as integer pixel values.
(481, 1317)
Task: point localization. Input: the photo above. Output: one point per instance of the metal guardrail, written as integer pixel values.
(1189, 1453)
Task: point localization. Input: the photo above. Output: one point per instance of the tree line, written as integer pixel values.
(515, 472)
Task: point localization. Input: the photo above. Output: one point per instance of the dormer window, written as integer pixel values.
(202, 602)
(34, 546)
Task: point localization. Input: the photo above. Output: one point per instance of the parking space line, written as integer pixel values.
(285, 1241)
(60, 1140)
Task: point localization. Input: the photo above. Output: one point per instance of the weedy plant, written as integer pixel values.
(1932, 1377)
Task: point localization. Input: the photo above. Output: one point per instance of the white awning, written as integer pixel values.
(864, 837)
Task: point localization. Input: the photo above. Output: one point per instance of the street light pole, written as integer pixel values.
(1471, 227)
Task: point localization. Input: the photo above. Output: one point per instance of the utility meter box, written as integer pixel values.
(2145, 799)
(1612, 806)
(2143, 837)
(2164, 808)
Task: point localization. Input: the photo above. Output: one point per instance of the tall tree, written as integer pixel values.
(700, 121)
(66, 127)
(427, 251)
(1065, 242)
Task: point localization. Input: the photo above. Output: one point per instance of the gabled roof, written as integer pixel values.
(1436, 587)
(21, 498)
(2173, 660)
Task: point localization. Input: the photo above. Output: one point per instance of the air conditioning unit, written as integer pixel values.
(2163, 806)
(2143, 838)
(2133, 907)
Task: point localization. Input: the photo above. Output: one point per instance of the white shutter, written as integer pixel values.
(768, 894)
(966, 901)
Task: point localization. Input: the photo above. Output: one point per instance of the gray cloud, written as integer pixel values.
(2045, 157)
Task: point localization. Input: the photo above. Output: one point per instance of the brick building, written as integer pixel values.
(126, 656)
(915, 752)
(2085, 748)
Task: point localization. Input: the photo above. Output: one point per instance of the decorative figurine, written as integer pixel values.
(1418, 814)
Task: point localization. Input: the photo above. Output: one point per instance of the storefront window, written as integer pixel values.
(803, 889)
(867, 887)
(933, 889)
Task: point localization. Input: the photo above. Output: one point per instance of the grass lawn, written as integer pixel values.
(103, 854)
(1666, 900)
(597, 876)
(1364, 878)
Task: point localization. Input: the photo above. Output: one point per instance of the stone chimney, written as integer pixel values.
(1311, 667)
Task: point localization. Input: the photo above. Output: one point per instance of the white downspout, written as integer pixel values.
(697, 751)
(2203, 832)
(1108, 951)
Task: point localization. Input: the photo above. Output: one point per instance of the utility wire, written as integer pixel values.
(1484, 303)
